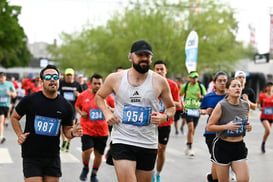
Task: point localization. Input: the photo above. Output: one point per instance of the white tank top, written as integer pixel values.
(133, 106)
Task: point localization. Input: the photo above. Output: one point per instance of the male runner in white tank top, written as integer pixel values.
(136, 116)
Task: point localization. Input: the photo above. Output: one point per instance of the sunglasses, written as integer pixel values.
(48, 77)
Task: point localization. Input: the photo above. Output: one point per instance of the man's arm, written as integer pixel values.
(82, 113)
(252, 105)
(72, 131)
(167, 99)
(106, 89)
(15, 117)
(176, 97)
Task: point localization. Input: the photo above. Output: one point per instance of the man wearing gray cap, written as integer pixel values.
(248, 94)
(136, 115)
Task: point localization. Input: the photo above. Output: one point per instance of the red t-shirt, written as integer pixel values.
(36, 89)
(94, 124)
(267, 106)
(15, 84)
(27, 85)
(176, 97)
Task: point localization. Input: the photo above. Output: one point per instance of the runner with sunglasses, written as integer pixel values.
(46, 112)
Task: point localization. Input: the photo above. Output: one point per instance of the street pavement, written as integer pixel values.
(178, 167)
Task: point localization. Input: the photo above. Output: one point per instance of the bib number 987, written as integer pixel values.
(47, 126)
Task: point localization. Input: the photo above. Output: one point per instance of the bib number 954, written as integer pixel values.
(136, 115)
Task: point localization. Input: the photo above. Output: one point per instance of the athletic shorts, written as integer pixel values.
(145, 158)
(209, 141)
(13, 100)
(96, 142)
(269, 120)
(192, 119)
(223, 152)
(42, 166)
(177, 115)
(4, 111)
(164, 134)
(183, 115)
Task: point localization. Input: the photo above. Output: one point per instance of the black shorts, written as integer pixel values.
(98, 143)
(4, 111)
(269, 120)
(192, 119)
(42, 166)
(13, 100)
(223, 152)
(177, 115)
(164, 134)
(184, 115)
(209, 141)
(145, 158)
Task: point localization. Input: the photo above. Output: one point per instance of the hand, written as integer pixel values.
(77, 130)
(158, 118)
(76, 93)
(245, 97)
(233, 126)
(209, 110)
(84, 114)
(248, 127)
(202, 111)
(113, 119)
(22, 138)
(199, 95)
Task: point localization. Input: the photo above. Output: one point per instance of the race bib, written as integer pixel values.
(95, 115)
(70, 96)
(240, 130)
(193, 113)
(136, 115)
(268, 110)
(47, 126)
(162, 107)
(3, 99)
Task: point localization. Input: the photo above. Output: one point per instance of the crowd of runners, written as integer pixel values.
(135, 109)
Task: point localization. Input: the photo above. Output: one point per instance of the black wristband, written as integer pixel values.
(72, 134)
(168, 117)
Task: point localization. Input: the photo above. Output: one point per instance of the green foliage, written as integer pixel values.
(166, 26)
(13, 47)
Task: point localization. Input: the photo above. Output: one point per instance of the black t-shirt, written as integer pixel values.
(44, 118)
(250, 93)
(84, 86)
(67, 90)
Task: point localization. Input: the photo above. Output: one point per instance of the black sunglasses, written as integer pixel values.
(48, 77)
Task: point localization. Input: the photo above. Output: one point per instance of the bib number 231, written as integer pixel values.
(47, 126)
(136, 115)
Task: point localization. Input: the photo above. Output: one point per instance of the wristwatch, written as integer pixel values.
(168, 117)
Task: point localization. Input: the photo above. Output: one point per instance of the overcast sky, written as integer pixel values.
(44, 20)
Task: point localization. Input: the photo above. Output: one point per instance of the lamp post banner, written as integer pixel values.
(271, 34)
(191, 50)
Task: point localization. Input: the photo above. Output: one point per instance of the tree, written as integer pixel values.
(166, 26)
(13, 41)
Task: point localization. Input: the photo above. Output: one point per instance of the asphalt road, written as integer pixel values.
(178, 167)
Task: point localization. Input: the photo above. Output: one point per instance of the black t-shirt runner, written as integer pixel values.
(67, 90)
(250, 93)
(44, 118)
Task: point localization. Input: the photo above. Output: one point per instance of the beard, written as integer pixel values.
(141, 69)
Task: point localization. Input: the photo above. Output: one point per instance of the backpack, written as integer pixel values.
(199, 84)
